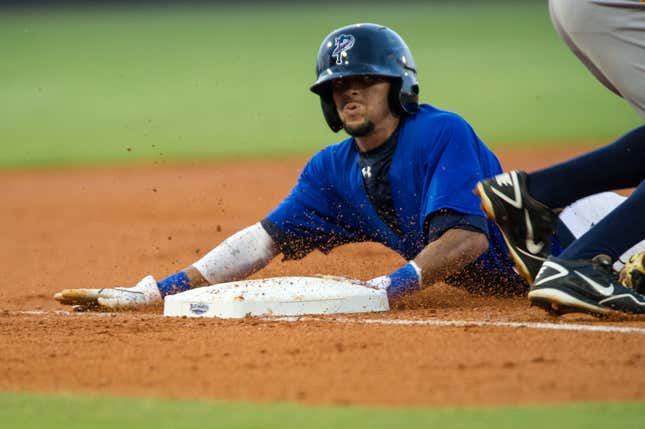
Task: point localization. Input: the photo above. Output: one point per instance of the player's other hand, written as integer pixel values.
(382, 282)
(142, 294)
(404, 281)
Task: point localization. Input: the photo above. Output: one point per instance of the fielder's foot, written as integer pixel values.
(144, 293)
(583, 286)
(525, 223)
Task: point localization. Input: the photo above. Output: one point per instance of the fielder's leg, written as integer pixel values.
(523, 205)
(584, 214)
(608, 36)
(581, 278)
(616, 166)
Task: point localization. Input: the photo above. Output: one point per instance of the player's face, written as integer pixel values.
(361, 102)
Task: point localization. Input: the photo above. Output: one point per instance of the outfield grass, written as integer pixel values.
(118, 85)
(18, 411)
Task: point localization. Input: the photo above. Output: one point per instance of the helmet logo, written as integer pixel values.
(344, 43)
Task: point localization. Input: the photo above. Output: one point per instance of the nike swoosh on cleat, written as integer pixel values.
(603, 290)
(560, 272)
(531, 245)
(516, 201)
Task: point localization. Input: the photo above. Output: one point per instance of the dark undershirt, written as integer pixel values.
(375, 169)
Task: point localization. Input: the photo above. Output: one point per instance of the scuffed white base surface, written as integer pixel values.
(278, 296)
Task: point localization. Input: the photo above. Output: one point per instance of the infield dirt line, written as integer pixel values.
(399, 322)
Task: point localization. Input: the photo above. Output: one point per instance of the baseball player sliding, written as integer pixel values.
(404, 178)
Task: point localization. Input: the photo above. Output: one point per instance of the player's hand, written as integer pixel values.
(403, 281)
(381, 283)
(142, 294)
(82, 297)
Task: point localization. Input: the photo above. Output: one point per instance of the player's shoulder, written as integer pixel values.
(337, 151)
(333, 155)
(434, 128)
(431, 116)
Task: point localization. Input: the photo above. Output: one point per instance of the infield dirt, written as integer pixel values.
(102, 227)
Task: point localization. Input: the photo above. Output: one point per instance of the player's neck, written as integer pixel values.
(381, 133)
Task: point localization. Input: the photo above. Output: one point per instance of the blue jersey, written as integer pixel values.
(436, 164)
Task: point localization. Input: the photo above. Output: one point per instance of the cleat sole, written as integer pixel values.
(557, 302)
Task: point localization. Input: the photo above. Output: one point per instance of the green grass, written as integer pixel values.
(165, 83)
(19, 411)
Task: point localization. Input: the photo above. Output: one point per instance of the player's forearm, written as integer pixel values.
(237, 257)
(449, 254)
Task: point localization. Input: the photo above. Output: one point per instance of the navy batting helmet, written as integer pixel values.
(366, 49)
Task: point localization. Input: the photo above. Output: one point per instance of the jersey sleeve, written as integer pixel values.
(307, 218)
(441, 221)
(452, 174)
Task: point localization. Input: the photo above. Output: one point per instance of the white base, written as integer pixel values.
(278, 296)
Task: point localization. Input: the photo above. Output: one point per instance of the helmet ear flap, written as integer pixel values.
(403, 101)
(409, 98)
(330, 113)
(393, 97)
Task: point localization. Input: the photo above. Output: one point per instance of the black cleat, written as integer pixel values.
(583, 286)
(526, 224)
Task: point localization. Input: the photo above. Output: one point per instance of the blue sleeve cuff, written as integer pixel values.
(405, 280)
(438, 222)
(173, 284)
